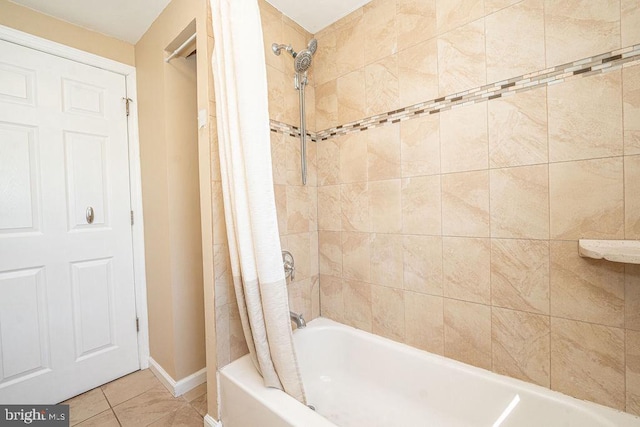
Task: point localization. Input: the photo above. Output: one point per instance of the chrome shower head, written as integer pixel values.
(312, 46)
(303, 61)
(276, 48)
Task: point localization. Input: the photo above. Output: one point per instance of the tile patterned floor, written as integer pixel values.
(138, 400)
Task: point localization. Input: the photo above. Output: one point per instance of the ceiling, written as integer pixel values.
(128, 20)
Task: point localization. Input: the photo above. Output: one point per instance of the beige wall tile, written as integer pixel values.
(353, 158)
(294, 166)
(386, 260)
(324, 61)
(351, 97)
(280, 193)
(632, 297)
(451, 14)
(217, 212)
(381, 81)
(299, 245)
(331, 302)
(467, 332)
(580, 128)
(491, 6)
(632, 346)
(328, 161)
(385, 206)
(421, 205)
(272, 30)
(275, 86)
(587, 361)
(420, 146)
(521, 345)
(461, 57)
(383, 152)
(465, 147)
(329, 211)
(278, 158)
(630, 22)
(520, 202)
(350, 46)
(297, 209)
(424, 322)
(631, 107)
(515, 40)
(356, 256)
(586, 199)
(465, 204)
(357, 304)
(310, 103)
(354, 201)
(585, 289)
(314, 255)
(418, 73)
(422, 258)
(632, 197)
(326, 105)
(467, 269)
(518, 129)
(520, 275)
(330, 253)
(416, 21)
(313, 206)
(291, 100)
(387, 309)
(576, 29)
(379, 21)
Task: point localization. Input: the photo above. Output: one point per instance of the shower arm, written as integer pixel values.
(300, 83)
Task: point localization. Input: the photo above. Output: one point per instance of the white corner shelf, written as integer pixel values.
(626, 251)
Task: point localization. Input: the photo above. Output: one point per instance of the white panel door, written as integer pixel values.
(67, 305)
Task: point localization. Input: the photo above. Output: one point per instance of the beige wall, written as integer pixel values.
(457, 232)
(168, 100)
(47, 27)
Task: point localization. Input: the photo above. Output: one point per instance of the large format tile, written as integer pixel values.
(518, 129)
(351, 97)
(576, 29)
(520, 275)
(385, 206)
(130, 386)
(379, 22)
(632, 197)
(356, 249)
(632, 296)
(383, 152)
(86, 405)
(186, 416)
(587, 361)
(465, 204)
(520, 202)
(357, 304)
(451, 14)
(632, 346)
(350, 42)
(467, 332)
(585, 289)
(521, 345)
(326, 105)
(421, 205)
(418, 73)
(586, 199)
(148, 407)
(353, 158)
(328, 161)
(515, 40)
(580, 128)
(103, 419)
(330, 253)
(466, 269)
(331, 301)
(387, 310)
(461, 58)
(329, 211)
(630, 22)
(382, 90)
(424, 322)
(354, 205)
(386, 260)
(420, 146)
(416, 21)
(422, 258)
(631, 107)
(463, 138)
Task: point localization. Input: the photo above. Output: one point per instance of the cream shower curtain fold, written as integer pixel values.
(239, 74)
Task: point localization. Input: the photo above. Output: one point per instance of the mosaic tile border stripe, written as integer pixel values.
(598, 64)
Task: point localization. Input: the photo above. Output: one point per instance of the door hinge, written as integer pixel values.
(137, 324)
(127, 101)
(131, 217)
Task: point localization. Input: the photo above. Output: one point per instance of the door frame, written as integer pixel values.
(135, 181)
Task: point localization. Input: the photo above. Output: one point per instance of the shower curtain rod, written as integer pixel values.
(182, 47)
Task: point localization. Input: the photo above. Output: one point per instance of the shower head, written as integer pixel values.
(276, 48)
(312, 46)
(303, 61)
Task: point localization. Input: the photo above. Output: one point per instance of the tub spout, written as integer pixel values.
(298, 319)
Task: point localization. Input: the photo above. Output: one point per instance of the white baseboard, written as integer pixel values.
(178, 388)
(209, 421)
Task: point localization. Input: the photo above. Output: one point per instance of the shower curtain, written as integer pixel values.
(239, 74)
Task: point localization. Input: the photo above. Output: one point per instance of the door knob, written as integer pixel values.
(89, 215)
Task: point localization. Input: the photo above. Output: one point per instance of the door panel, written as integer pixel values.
(67, 302)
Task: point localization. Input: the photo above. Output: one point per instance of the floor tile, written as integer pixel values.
(129, 386)
(86, 405)
(200, 404)
(186, 416)
(195, 393)
(103, 419)
(148, 407)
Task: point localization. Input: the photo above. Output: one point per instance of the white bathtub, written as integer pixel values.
(356, 379)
